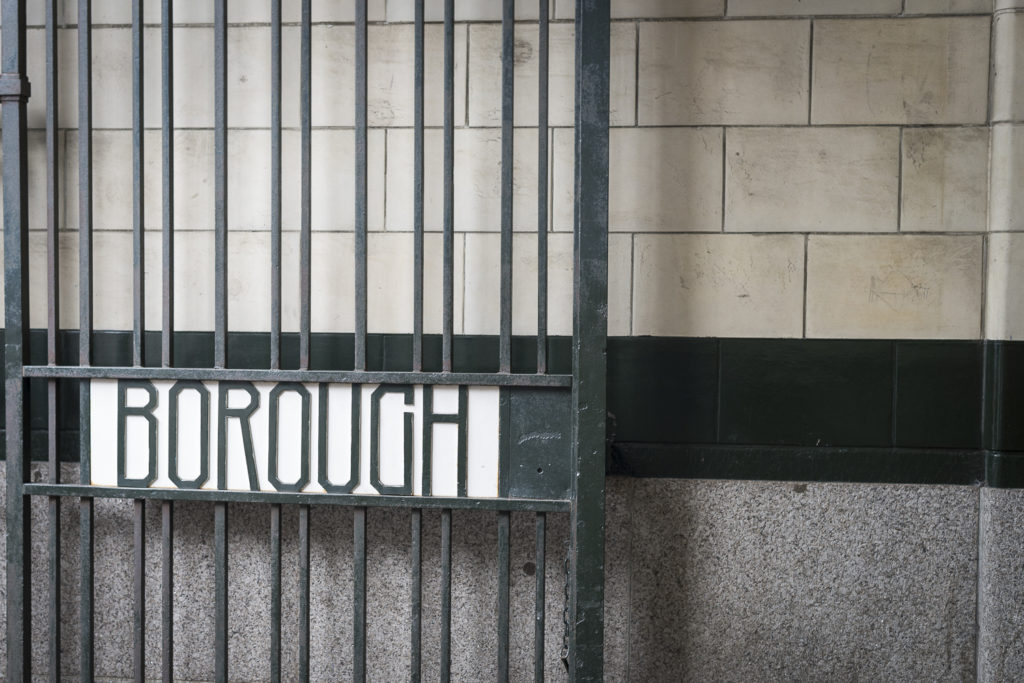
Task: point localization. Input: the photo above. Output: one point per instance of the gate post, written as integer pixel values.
(14, 92)
(590, 336)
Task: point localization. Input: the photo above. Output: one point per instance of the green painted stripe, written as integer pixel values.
(923, 411)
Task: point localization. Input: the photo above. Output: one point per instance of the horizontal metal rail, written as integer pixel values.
(354, 500)
(264, 375)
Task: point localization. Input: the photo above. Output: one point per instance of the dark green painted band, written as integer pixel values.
(907, 411)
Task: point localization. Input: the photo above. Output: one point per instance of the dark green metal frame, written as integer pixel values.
(585, 499)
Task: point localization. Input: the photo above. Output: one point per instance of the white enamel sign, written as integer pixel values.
(313, 438)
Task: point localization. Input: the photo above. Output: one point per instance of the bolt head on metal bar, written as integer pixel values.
(14, 87)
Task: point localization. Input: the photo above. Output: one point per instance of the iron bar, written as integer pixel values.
(256, 375)
(138, 191)
(446, 595)
(359, 594)
(504, 562)
(305, 248)
(167, 142)
(508, 58)
(361, 215)
(220, 563)
(417, 201)
(52, 326)
(167, 591)
(275, 185)
(220, 152)
(448, 239)
(275, 593)
(590, 329)
(139, 591)
(85, 292)
(351, 500)
(542, 188)
(304, 576)
(538, 614)
(416, 626)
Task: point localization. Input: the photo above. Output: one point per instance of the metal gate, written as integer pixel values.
(538, 471)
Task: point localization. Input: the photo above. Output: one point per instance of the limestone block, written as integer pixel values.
(1009, 4)
(945, 179)
(37, 173)
(1008, 67)
(714, 73)
(948, 6)
(1004, 317)
(930, 70)
(787, 179)
(766, 581)
(67, 86)
(650, 9)
(477, 176)
(660, 179)
(485, 74)
(718, 285)
(894, 286)
(1007, 158)
(802, 7)
(483, 284)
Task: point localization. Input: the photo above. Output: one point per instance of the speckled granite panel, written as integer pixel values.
(1001, 588)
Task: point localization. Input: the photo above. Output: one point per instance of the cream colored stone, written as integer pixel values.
(37, 212)
(894, 286)
(1006, 211)
(765, 8)
(930, 70)
(660, 179)
(485, 75)
(811, 179)
(391, 84)
(729, 72)
(1009, 4)
(465, 10)
(1004, 316)
(477, 175)
(390, 286)
(947, 6)
(1008, 67)
(35, 65)
(945, 179)
(718, 285)
(483, 284)
(649, 9)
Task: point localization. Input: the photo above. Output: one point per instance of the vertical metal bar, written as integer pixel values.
(220, 561)
(361, 216)
(167, 321)
(304, 576)
(138, 193)
(275, 184)
(305, 265)
(275, 593)
(508, 58)
(538, 613)
(448, 245)
(15, 212)
(416, 562)
(139, 592)
(220, 151)
(590, 330)
(139, 315)
(220, 350)
(167, 142)
(167, 591)
(275, 315)
(417, 200)
(446, 595)
(504, 559)
(542, 190)
(359, 594)
(52, 325)
(85, 326)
